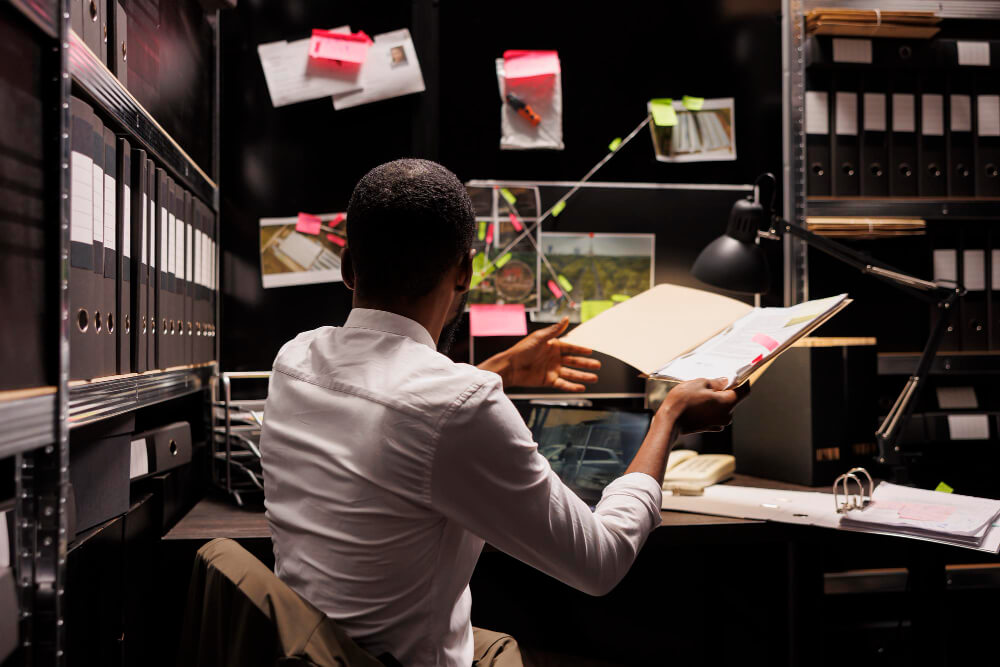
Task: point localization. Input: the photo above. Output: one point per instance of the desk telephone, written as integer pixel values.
(688, 473)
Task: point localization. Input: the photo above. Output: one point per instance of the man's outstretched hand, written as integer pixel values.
(541, 360)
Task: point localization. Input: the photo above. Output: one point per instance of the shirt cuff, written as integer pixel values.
(641, 486)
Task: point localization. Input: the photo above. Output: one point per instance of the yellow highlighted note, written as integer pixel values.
(663, 112)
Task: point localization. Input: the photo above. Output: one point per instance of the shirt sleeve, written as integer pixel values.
(488, 476)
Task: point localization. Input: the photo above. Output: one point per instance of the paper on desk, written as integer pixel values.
(290, 79)
(391, 69)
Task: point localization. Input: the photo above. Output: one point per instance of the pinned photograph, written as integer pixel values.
(302, 250)
(397, 55)
(702, 132)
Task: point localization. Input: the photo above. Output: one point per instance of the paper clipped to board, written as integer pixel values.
(290, 79)
(390, 69)
(681, 333)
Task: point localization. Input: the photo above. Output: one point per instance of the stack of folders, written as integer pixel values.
(872, 23)
(142, 253)
(866, 228)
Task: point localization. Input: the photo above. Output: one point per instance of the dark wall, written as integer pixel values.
(307, 157)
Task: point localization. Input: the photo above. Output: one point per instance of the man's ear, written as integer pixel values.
(464, 277)
(347, 269)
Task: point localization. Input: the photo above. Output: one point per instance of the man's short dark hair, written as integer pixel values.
(408, 222)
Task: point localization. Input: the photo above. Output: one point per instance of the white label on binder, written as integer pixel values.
(957, 398)
(82, 205)
(847, 113)
(205, 246)
(961, 113)
(197, 257)
(974, 53)
(97, 186)
(127, 221)
(988, 108)
(188, 253)
(142, 233)
(179, 235)
(852, 51)
(974, 269)
(874, 112)
(995, 264)
(945, 265)
(138, 463)
(171, 244)
(4, 541)
(164, 247)
(817, 113)
(969, 427)
(903, 116)
(932, 115)
(109, 212)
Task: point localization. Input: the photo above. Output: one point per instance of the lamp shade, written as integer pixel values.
(734, 262)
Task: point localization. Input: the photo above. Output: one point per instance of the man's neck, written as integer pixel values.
(424, 312)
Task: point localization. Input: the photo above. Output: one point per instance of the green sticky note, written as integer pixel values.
(508, 195)
(800, 319)
(944, 488)
(503, 260)
(566, 284)
(490, 269)
(476, 279)
(479, 261)
(591, 309)
(663, 112)
(558, 208)
(692, 103)
(482, 230)
(618, 298)
(613, 146)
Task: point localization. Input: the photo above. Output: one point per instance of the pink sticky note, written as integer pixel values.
(497, 320)
(337, 219)
(555, 289)
(766, 341)
(922, 512)
(489, 233)
(342, 47)
(757, 359)
(525, 64)
(308, 224)
(517, 223)
(339, 240)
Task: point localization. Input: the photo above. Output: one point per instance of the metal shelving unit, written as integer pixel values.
(954, 208)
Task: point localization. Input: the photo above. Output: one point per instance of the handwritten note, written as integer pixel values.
(527, 64)
(497, 320)
(308, 224)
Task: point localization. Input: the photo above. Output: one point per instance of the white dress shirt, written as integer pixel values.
(386, 466)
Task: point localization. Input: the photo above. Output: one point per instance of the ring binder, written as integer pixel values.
(856, 501)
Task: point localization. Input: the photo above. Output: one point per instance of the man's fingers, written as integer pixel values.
(742, 391)
(718, 384)
(563, 385)
(554, 330)
(570, 348)
(582, 362)
(578, 376)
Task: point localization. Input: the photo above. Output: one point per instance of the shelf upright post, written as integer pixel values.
(793, 181)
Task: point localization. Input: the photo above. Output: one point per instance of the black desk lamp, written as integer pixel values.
(736, 263)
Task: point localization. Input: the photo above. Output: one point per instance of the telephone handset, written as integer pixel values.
(688, 473)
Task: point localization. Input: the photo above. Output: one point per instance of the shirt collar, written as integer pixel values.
(390, 323)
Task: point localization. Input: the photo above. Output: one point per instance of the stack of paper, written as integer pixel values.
(866, 228)
(872, 23)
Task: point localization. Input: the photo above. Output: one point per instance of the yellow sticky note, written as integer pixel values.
(944, 488)
(692, 103)
(590, 309)
(566, 284)
(618, 298)
(613, 146)
(482, 230)
(663, 112)
(503, 260)
(476, 279)
(508, 195)
(490, 269)
(558, 208)
(800, 319)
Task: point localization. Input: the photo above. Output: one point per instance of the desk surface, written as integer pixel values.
(215, 516)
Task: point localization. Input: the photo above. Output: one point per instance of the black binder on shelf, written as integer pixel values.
(140, 261)
(874, 137)
(154, 279)
(76, 12)
(176, 305)
(993, 287)
(817, 129)
(973, 323)
(201, 293)
(960, 143)
(91, 18)
(97, 185)
(213, 283)
(83, 363)
(120, 46)
(110, 342)
(932, 180)
(187, 333)
(988, 135)
(123, 224)
(903, 138)
(846, 152)
(162, 299)
(946, 251)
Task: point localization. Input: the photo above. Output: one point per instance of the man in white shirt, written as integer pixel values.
(387, 465)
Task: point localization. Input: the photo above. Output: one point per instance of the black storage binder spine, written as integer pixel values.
(960, 144)
(140, 262)
(120, 45)
(110, 336)
(96, 342)
(874, 143)
(974, 328)
(846, 179)
(817, 142)
(162, 302)
(932, 181)
(988, 136)
(188, 331)
(153, 264)
(123, 225)
(903, 143)
(81, 292)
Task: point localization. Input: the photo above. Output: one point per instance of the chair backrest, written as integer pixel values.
(240, 614)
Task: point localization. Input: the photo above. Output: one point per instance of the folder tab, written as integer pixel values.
(852, 51)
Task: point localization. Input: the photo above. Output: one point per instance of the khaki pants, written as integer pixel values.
(494, 649)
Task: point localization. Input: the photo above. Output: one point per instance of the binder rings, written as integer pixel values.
(124, 243)
(96, 342)
(151, 247)
(961, 152)
(162, 300)
(109, 344)
(140, 263)
(932, 182)
(817, 140)
(903, 140)
(846, 156)
(83, 363)
(947, 263)
(875, 142)
(973, 323)
(988, 137)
